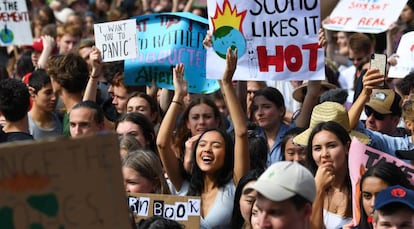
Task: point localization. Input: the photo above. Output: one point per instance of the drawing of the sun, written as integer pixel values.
(228, 30)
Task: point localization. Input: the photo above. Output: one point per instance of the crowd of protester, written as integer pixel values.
(259, 154)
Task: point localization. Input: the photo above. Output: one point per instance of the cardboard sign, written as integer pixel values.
(14, 23)
(116, 40)
(365, 16)
(62, 183)
(405, 59)
(184, 209)
(276, 40)
(362, 157)
(165, 40)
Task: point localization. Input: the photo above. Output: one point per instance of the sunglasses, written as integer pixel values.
(357, 59)
(377, 116)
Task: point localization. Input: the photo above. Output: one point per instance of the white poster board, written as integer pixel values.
(116, 40)
(275, 40)
(405, 59)
(365, 16)
(14, 23)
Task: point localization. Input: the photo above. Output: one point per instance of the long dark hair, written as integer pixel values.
(223, 175)
(237, 219)
(146, 127)
(388, 173)
(342, 134)
(332, 127)
(273, 95)
(182, 133)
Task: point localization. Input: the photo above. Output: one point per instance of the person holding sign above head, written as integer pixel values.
(218, 165)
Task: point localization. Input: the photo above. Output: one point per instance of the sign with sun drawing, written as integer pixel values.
(14, 23)
(275, 40)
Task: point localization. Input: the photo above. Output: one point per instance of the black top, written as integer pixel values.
(13, 136)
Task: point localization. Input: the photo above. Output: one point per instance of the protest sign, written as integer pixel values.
(165, 40)
(62, 183)
(274, 40)
(365, 16)
(183, 209)
(116, 40)
(405, 59)
(14, 23)
(362, 157)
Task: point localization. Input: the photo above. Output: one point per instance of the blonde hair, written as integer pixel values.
(148, 165)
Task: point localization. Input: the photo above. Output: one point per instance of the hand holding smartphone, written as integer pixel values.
(379, 61)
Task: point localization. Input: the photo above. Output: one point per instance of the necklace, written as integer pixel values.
(336, 200)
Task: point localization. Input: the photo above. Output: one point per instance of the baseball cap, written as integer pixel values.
(285, 179)
(385, 101)
(395, 194)
(37, 45)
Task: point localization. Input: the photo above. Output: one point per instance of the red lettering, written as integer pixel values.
(340, 20)
(265, 60)
(313, 55)
(371, 21)
(293, 52)
(14, 16)
(291, 55)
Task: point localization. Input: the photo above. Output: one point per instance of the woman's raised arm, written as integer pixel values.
(165, 145)
(241, 149)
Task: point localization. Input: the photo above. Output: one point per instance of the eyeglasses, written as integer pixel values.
(377, 116)
(355, 59)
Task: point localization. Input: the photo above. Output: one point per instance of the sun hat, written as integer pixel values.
(300, 92)
(395, 194)
(285, 179)
(385, 101)
(329, 111)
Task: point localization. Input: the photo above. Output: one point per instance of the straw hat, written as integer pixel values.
(329, 111)
(300, 92)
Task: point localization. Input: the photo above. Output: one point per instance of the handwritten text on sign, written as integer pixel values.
(366, 16)
(14, 24)
(116, 40)
(274, 39)
(165, 40)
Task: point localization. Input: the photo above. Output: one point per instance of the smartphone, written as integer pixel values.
(379, 61)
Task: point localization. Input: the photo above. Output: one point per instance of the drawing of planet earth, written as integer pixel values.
(225, 37)
(6, 35)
